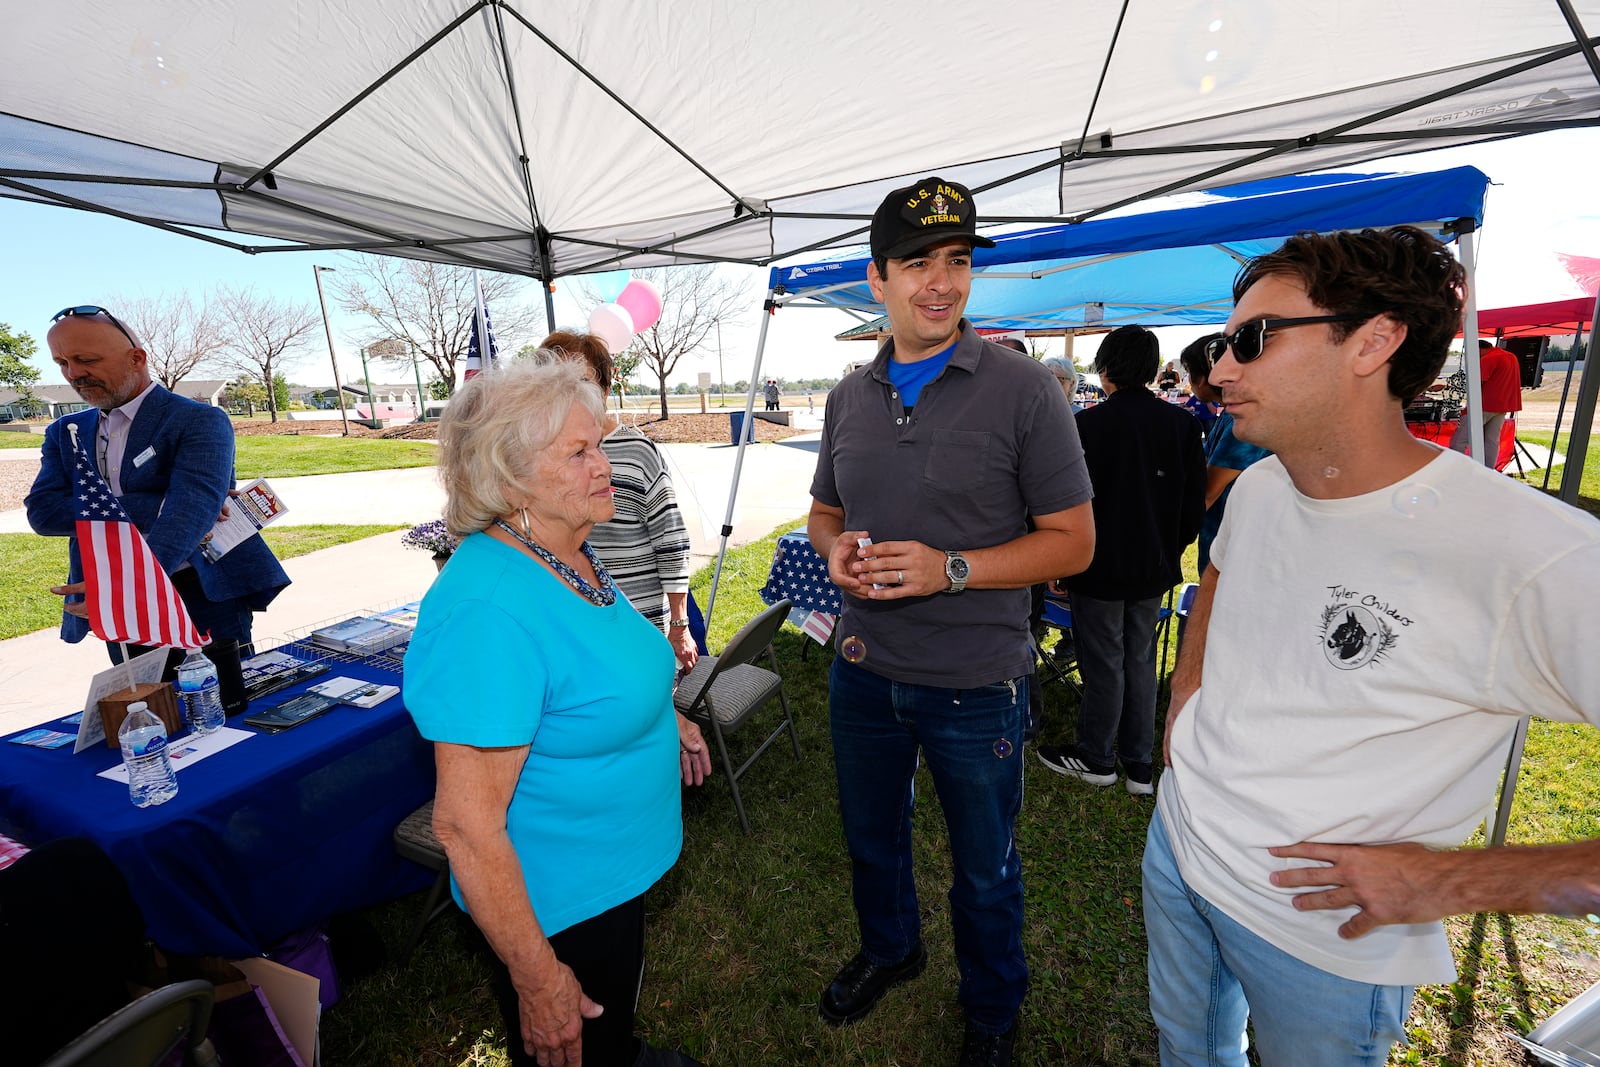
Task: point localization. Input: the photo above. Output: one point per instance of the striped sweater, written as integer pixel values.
(645, 546)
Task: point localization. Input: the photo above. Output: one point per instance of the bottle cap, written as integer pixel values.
(138, 705)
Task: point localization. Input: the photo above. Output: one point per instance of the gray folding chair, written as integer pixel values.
(723, 692)
(414, 839)
(147, 1031)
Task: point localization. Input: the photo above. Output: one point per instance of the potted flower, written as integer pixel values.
(432, 537)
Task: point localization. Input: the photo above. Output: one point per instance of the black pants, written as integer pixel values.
(606, 954)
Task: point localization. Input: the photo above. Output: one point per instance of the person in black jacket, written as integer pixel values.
(1148, 470)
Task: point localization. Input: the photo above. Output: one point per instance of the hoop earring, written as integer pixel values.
(527, 531)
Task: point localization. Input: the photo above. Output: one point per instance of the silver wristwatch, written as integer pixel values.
(956, 569)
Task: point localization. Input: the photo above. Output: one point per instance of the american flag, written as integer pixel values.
(475, 362)
(129, 597)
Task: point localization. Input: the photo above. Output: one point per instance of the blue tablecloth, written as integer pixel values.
(277, 833)
(801, 575)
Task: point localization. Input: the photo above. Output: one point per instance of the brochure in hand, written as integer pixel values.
(253, 507)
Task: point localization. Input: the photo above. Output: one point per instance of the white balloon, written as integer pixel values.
(613, 325)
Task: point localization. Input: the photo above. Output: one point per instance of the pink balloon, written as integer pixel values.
(643, 301)
(613, 325)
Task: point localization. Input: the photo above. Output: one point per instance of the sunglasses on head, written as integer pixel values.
(90, 311)
(1248, 340)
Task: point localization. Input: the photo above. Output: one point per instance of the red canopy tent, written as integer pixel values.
(1534, 320)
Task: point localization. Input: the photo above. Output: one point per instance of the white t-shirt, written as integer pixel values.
(1366, 662)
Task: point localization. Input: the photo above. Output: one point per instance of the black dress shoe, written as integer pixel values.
(987, 1050)
(860, 984)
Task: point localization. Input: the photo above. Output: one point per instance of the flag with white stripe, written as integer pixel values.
(129, 597)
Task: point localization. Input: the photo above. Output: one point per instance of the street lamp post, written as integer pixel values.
(338, 389)
(422, 404)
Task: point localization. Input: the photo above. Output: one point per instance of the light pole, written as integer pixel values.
(722, 399)
(338, 389)
(422, 404)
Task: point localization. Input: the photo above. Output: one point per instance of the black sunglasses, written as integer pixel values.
(1248, 340)
(90, 311)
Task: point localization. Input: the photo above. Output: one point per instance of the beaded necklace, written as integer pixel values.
(604, 597)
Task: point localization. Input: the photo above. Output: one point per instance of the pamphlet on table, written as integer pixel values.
(187, 749)
(137, 671)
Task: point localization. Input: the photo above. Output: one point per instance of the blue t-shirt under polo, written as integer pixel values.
(909, 378)
(506, 654)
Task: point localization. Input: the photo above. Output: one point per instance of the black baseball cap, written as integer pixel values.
(926, 213)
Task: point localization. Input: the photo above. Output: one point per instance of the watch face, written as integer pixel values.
(958, 567)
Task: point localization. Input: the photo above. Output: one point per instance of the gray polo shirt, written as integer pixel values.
(990, 442)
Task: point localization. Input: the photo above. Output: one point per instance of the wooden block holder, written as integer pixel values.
(161, 697)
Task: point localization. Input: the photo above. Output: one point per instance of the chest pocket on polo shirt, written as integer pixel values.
(958, 461)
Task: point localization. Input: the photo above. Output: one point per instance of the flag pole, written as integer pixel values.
(480, 323)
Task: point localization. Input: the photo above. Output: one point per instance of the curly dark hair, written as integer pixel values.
(1403, 272)
(587, 347)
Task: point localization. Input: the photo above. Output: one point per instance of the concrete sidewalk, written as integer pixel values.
(42, 677)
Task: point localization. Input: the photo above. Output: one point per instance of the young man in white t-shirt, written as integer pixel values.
(1359, 696)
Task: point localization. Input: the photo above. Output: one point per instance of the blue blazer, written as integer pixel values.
(173, 496)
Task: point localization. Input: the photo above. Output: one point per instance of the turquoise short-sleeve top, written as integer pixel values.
(506, 654)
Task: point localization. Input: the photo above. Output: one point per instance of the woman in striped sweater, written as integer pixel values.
(646, 546)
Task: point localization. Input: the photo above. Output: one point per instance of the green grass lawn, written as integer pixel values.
(21, 440)
(34, 564)
(1588, 488)
(288, 456)
(745, 931)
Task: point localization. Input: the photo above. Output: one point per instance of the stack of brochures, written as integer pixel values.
(269, 672)
(363, 635)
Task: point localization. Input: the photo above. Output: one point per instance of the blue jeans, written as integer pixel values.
(1209, 975)
(878, 727)
(1117, 658)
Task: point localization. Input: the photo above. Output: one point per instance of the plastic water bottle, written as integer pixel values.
(200, 693)
(151, 779)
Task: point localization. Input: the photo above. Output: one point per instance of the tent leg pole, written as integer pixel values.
(1508, 788)
(1566, 387)
(1470, 363)
(768, 308)
(1582, 420)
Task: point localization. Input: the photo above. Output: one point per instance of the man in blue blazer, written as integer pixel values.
(168, 459)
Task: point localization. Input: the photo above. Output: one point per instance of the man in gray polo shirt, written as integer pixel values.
(939, 452)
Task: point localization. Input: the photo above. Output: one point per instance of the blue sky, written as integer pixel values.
(1542, 202)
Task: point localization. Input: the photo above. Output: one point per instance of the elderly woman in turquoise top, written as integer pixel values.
(549, 703)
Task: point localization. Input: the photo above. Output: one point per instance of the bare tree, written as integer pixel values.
(693, 301)
(178, 336)
(264, 335)
(428, 306)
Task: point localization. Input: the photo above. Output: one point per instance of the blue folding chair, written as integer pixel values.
(1058, 617)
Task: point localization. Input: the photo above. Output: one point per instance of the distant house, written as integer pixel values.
(49, 402)
(207, 391)
(393, 402)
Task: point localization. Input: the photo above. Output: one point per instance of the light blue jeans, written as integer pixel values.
(1209, 976)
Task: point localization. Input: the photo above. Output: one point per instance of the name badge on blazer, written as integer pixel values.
(144, 457)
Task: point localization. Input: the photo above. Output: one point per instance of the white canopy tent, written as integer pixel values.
(547, 138)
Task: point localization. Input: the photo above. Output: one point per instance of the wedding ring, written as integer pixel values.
(902, 577)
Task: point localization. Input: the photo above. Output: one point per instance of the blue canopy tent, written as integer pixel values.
(1159, 268)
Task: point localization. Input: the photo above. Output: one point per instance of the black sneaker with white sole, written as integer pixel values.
(1067, 761)
(1140, 781)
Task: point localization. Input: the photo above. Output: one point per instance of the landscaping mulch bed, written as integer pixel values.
(300, 428)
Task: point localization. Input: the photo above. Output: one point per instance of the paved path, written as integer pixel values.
(42, 677)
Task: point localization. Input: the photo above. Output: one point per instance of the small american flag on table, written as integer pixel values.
(129, 597)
